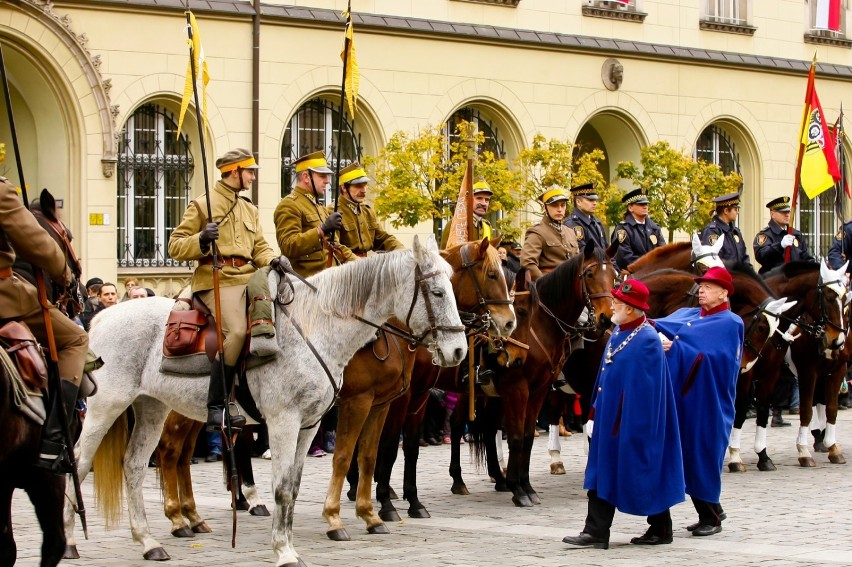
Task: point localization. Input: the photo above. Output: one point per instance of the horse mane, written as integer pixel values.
(654, 255)
(491, 260)
(793, 269)
(554, 286)
(748, 272)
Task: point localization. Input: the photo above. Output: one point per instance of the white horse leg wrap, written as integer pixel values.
(553, 440)
(734, 441)
(803, 436)
(830, 435)
(759, 439)
(819, 414)
(499, 443)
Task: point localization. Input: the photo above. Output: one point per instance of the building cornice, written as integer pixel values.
(477, 33)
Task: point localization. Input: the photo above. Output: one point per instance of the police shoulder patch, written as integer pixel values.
(839, 235)
(737, 238)
(712, 239)
(621, 234)
(653, 239)
(796, 242)
(578, 230)
(760, 239)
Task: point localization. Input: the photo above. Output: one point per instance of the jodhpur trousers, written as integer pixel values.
(233, 302)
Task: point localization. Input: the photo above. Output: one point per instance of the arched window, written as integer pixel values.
(493, 142)
(715, 146)
(154, 173)
(315, 127)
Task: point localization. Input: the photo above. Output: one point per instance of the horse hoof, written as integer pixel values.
(533, 496)
(350, 494)
(502, 487)
(835, 456)
(421, 513)
(259, 510)
(202, 528)
(392, 494)
(557, 468)
(156, 554)
(71, 552)
(183, 531)
(390, 515)
(522, 501)
(766, 466)
(460, 489)
(378, 529)
(807, 462)
(242, 505)
(736, 467)
(340, 534)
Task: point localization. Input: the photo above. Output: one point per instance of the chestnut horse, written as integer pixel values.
(382, 371)
(690, 257)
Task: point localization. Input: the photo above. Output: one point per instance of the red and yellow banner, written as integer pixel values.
(819, 170)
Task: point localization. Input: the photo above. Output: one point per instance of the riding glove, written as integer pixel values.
(332, 223)
(281, 264)
(209, 234)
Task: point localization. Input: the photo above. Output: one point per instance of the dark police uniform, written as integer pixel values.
(734, 248)
(586, 227)
(767, 243)
(635, 239)
(840, 249)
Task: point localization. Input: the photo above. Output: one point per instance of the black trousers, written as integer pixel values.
(601, 513)
(708, 512)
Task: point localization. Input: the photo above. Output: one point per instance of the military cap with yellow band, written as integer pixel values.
(635, 197)
(239, 158)
(779, 205)
(353, 174)
(314, 161)
(482, 187)
(553, 195)
(586, 190)
(729, 200)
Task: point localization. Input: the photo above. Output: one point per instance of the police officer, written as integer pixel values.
(482, 194)
(583, 220)
(21, 235)
(235, 226)
(840, 249)
(303, 225)
(734, 248)
(549, 243)
(361, 231)
(637, 234)
(771, 243)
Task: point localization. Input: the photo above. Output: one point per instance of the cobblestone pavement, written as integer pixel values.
(793, 516)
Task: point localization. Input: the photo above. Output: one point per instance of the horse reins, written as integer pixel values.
(752, 328)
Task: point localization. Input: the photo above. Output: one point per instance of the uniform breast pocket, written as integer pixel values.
(250, 226)
(311, 220)
(553, 243)
(349, 225)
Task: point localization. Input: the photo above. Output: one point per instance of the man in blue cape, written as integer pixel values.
(634, 456)
(704, 361)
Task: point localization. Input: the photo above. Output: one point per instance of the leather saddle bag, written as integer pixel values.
(18, 341)
(190, 331)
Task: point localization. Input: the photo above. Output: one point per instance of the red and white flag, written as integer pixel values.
(828, 15)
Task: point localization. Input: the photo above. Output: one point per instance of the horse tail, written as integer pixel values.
(109, 472)
(482, 431)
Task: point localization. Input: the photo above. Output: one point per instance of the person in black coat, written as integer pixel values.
(733, 247)
(771, 243)
(637, 234)
(582, 219)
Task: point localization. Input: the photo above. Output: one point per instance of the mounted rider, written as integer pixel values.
(549, 243)
(583, 220)
(303, 225)
(361, 230)
(771, 243)
(482, 194)
(637, 234)
(235, 227)
(733, 247)
(22, 236)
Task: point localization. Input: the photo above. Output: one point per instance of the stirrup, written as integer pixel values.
(55, 459)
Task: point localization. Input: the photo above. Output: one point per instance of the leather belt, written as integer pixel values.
(233, 261)
(5, 273)
(360, 254)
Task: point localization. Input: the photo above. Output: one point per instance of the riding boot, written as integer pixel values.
(218, 389)
(778, 420)
(54, 452)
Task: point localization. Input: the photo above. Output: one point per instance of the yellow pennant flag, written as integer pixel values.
(819, 162)
(351, 77)
(196, 53)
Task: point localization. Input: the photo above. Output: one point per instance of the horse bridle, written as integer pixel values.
(752, 328)
(567, 328)
(482, 302)
(816, 330)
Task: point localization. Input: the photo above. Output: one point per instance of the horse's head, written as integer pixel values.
(764, 330)
(705, 256)
(597, 280)
(428, 307)
(480, 286)
(833, 317)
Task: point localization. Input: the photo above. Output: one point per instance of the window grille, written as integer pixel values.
(154, 175)
(726, 11)
(715, 146)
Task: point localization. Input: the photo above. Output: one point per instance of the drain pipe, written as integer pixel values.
(255, 95)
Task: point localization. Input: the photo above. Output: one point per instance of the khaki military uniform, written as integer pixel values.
(481, 229)
(242, 249)
(297, 220)
(22, 236)
(361, 229)
(546, 246)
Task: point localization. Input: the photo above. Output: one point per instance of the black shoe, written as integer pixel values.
(705, 530)
(751, 414)
(586, 540)
(652, 539)
(778, 420)
(53, 454)
(692, 527)
(215, 420)
(212, 458)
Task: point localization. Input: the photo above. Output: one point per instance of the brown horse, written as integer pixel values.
(547, 317)
(820, 353)
(381, 372)
(694, 257)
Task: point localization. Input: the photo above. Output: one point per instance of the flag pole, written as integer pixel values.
(217, 301)
(797, 179)
(340, 120)
(841, 188)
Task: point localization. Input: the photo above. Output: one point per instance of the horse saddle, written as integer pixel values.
(189, 343)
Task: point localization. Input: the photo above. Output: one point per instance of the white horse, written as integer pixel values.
(292, 391)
